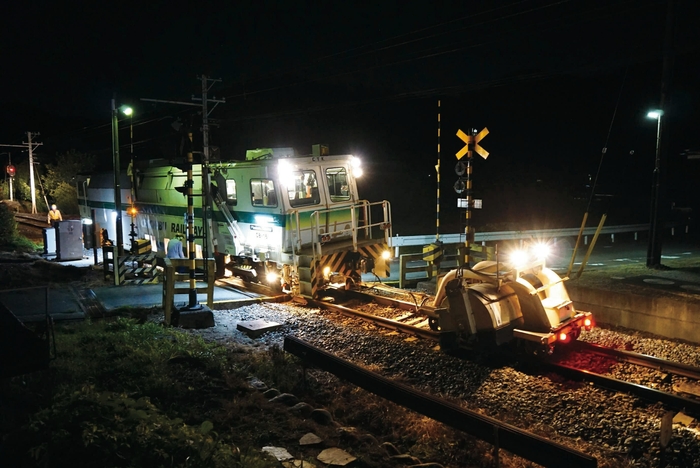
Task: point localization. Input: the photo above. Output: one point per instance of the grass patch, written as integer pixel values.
(125, 394)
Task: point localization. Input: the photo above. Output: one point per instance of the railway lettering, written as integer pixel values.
(182, 229)
(153, 224)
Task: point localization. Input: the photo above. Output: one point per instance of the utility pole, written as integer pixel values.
(209, 244)
(193, 306)
(207, 83)
(31, 147)
(657, 195)
(31, 167)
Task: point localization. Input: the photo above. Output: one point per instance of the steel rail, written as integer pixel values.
(650, 394)
(241, 289)
(383, 300)
(645, 360)
(499, 434)
(381, 321)
(32, 222)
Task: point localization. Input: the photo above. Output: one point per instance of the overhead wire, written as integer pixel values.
(424, 54)
(364, 46)
(434, 52)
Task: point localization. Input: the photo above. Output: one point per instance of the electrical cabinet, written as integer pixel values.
(69, 240)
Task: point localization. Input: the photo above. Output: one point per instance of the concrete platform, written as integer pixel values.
(30, 304)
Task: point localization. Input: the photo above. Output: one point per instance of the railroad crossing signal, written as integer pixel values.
(472, 143)
(10, 170)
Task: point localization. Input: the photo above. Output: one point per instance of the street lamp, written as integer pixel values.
(128, 111)
(117, 172)
(654, 248)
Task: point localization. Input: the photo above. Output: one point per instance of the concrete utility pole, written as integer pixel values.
(31, 168)
(31, 147)
(656, 218)
(208, 242)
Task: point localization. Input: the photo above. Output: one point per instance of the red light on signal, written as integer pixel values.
(10, 170)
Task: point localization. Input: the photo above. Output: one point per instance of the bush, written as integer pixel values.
(10, 239)
(66, 197)
(117, 430)
(8, 225)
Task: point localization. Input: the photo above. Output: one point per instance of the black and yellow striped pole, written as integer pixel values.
(468, 233)
(191, 250)
(437, 169)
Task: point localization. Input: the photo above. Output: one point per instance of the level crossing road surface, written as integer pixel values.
(605, 254)
(31, 304)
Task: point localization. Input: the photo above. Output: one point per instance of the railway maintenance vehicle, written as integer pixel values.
(526, 304)
(293, 222)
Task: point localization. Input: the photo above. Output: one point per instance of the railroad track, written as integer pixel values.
(402, 319)
(384, 311)
(645, 360)
(520, 442)
(675, 400)
(30, 220)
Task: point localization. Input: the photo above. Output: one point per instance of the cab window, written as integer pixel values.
(338, 186)
(262, 192)
(231, 196)
(304, 189)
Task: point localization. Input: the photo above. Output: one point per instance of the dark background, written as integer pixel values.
(545, 77)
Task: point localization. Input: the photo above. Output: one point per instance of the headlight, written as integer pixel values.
(285, 173)
(518, 258)
(541, 250)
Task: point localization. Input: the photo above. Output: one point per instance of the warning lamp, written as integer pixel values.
(132, 211)
(10, 170)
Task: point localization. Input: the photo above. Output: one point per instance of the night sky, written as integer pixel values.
(546, 78)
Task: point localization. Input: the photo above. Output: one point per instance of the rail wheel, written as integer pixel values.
(434, 323)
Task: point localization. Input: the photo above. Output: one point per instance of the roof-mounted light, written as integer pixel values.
(285, 173)
(356, 164)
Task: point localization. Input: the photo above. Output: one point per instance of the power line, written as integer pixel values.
(436, 52)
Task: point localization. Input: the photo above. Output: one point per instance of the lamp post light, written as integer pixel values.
(128, 111)
(117, 173)
(654, 248)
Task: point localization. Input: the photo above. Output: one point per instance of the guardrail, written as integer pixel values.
(405, 241)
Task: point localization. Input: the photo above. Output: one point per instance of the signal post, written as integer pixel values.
(464, 183)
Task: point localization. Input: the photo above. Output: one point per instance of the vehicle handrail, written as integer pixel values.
(364, 223)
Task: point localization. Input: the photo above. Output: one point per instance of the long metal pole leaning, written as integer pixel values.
(437, 169)
(515, 440)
